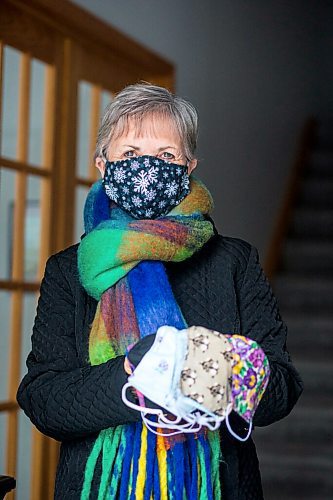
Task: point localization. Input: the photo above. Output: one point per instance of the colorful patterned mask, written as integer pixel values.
(145, 186)
(199, 376)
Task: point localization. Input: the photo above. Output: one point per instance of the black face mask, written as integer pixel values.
(145, 186)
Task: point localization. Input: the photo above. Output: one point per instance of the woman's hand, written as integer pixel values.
(127, 367)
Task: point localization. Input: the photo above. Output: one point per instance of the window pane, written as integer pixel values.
(32, 230)
(83, 129)
(29, 313)
(106, 98)
(36, 112)
(7, 185)
(10, 102)
(5, 307)
(3, 446)
(81, 195)
(23, 457)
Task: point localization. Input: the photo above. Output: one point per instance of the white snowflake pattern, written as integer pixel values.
(126, 205)
(144, 179)
(141, 182)
(165, 174)
(185, 182)
(137, 202)
(149, 212)
(178, 170)
(112, 192)
(152, 173)
(160, 185)
(162, 204)
(119, 174)
(135, 165)
(126, 189)
(156, 162)
(150, 195)
(146, 162)
(171, 188)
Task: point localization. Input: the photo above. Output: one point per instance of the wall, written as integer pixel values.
(326, 59)
(253, 69)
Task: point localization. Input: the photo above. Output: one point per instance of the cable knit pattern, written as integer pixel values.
(221, 287)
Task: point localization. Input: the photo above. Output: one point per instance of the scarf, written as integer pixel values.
(120, 264)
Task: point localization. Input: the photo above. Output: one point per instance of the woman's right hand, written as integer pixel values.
(127, 367)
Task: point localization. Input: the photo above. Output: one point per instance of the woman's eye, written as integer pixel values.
(130, 154)
(167, 156)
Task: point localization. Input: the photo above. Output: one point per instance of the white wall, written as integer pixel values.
(253, 70)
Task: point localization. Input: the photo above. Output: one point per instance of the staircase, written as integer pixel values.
(296, 454)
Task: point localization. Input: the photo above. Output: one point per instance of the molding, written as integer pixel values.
(86, 29)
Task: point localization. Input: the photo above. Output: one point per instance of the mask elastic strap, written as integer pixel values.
(233, 433)
(179, 429)
(166, 420)
(212, 423)
(192, 424)
(135, 406)
(162, 420)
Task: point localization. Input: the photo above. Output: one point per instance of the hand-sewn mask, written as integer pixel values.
(145, 186)
(199, 376)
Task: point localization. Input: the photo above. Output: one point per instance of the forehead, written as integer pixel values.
(155, 126)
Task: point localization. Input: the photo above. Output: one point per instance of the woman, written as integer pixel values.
(151, 256)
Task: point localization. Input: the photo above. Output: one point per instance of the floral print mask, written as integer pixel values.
(145, 186)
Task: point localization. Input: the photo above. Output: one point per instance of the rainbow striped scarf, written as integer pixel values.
(120, 264)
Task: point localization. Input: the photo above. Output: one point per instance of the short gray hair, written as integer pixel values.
(143, 99)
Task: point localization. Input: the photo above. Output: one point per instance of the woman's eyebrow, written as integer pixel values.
(138, 148)
(130, 146)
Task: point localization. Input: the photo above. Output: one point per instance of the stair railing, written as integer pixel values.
(305, 145)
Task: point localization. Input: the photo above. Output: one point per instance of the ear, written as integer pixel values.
(100, 164)
(191, 165)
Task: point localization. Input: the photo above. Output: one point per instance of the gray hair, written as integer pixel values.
(143, 99)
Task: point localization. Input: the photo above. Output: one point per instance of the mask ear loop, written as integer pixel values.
(139, 408)
(149, 424)
(178, 429)
(233, 433)
(212, 423)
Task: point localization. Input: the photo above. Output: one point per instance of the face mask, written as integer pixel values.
(145, 186)
(200, 376)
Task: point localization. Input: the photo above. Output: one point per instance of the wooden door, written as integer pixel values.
(59, 67)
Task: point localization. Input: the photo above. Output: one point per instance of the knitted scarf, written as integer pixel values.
(121, 265)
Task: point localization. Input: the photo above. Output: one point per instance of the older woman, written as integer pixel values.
(152, 261)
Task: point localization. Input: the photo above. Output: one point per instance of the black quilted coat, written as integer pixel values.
(221, 287)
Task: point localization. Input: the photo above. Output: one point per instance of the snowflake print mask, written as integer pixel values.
(145, 186)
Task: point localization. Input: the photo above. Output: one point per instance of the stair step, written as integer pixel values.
(325, 135)
(312, 223)
(321, 161)
(304, 293)
(317, 191)
(318, 381)
(293, 475)
(308, 255)
(295, 470)
(303, 329)
(298, 429)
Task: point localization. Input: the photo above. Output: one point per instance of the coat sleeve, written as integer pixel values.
(63, 399)
(260, 320)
